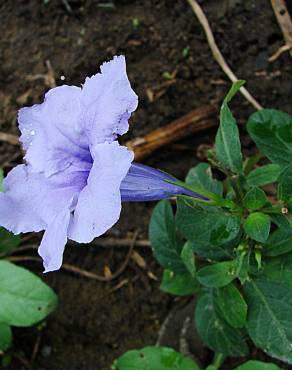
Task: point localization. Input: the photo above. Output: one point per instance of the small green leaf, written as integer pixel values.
(206, 225)
(154, 358)
(285, 185)
(201, 176)
(255, 198)
(188, 258)
(257, 226)
(216, 275)
(178, 283)
(271, 130)
(231, 305)
(25, 299)
(269, 321)
(215, 331)
(1, 180)
(279, 242)
(228, 148)
(264, 175)
(8, 241)
(163, 237)
(5, 337)
(233, 90)
(258, 365)
(242, 266)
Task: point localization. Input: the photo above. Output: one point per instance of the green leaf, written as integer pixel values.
(188, 258)
(206, 225)
(231, 305)
(269, 321)
(8, 241)
(242, 265)
(255, 198)
(258, 365)
(279, 242)
(228, 148)
(257, 226)
(216, 252)
(163, 237)
(201, 176)
(215, 332)
(1, 180)
(279, 269)
(180, 284)
(5, 337)
(25, 299)
(282, 221)
(271, 130)
(217, 275)
(285, 185)
(154, 358)
(264, 175)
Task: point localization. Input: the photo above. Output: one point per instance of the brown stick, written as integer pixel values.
(284, 20)
(194, 121)
(79, 271)
(9, 138)
(217, 53)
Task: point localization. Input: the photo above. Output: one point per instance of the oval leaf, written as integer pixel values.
(264, 175)
(217, 275)
(271, 130)
(154, 358)
(227, 143)
(231, 305)
(257, 365)
(257, 226)
(188, 258)
(25, 299)
(206, 225)
(178, 283)
(215, 332)
(201, 176)
(162, 234)
(254, 199)
(269, 321)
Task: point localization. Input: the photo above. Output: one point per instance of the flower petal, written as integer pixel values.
(51, 133)
(54, 240)
(107, 102)
(99, 203)
(144, 183)
(31, 201)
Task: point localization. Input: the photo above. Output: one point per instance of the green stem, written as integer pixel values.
(218, 360)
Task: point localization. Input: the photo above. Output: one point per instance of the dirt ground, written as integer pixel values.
(96, 322)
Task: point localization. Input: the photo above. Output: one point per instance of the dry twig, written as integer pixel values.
(194, 121)
(9, 138)
(285, 23)
(217, 53)
(79, 271)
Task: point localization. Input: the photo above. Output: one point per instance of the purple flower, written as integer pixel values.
(144, 183)
(76, 174)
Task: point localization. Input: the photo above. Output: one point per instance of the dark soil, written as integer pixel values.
(94, 324)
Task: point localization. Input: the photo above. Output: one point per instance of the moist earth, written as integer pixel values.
(163, 41)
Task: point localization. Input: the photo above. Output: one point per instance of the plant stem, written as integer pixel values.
(218, 360)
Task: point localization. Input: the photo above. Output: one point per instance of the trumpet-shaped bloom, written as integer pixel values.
(75, 173)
